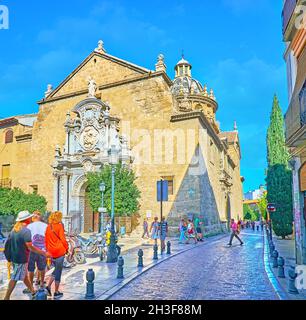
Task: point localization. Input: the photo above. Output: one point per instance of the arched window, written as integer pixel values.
(9, 136)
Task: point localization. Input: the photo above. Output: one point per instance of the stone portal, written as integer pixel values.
(90, 133)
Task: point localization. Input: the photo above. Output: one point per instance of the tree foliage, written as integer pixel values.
(262, 205)
(249, 213)
(279, 181)
(279, 176)
(127, 194)
(12, 201)
(277, 152)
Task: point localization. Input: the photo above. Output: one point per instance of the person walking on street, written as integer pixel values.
(17, 250)
(257, 224)
(191, 232)
(163, 233)
(57, 245)
(253, 225)
(38, 232)
(234, 233)
(145, 229)
(154, 230)
(182, 230)
(262, 225)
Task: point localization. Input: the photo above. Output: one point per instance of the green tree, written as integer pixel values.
(279, 176)
(127, 194)
(247, 216)
(277, 152)
(262, 205)
(249, 213)
(15, 200)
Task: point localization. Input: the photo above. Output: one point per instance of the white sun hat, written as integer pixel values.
(23, 215)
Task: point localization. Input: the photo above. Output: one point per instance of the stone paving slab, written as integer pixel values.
(209, 272)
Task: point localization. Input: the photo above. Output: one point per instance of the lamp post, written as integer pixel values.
(112, 255)
(102, 210)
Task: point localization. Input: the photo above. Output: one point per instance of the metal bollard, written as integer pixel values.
(140, 258)
(120, 268)
(90, 291)
(281, 269)
(274, 258)
(168, 247)
(155, 250)
(291, 283)
(41, 294)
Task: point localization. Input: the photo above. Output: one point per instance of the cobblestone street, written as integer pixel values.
(209, 272)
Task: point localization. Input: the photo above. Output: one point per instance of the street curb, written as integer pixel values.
(108, 294)
(281, 293)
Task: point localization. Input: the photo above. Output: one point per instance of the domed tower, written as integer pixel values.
(190, 96)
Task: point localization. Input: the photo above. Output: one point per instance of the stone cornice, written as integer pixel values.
(202, 118)
(110, 85)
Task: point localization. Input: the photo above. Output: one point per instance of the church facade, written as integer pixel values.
(160, 128)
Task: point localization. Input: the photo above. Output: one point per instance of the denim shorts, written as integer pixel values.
(37, 260)
(19, 272)
(58, 268)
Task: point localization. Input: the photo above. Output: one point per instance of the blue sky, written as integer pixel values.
(235, 46)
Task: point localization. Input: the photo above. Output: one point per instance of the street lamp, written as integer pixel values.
(102, 209)
(112, 255)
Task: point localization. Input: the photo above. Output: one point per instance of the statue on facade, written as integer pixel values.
(92, 87)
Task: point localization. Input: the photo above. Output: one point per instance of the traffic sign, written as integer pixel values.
(162, 191)
(271, 207)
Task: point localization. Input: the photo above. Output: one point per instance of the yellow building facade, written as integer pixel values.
(161, 128)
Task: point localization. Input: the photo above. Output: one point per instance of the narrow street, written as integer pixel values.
(210, 272)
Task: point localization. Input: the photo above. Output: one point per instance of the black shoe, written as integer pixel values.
(58, 295)
(49, 291)
(26, 291)
(229, 244)
(241, 243)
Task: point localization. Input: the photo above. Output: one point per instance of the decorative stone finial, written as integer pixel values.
(92, 87)
(100, 48)
(57, 151)
(212, 96)
(49, 90)
(160, 65)
(235, 126)
(205, 92)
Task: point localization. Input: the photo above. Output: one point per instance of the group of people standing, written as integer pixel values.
(33, 244)
(188, 231)
(159, 230)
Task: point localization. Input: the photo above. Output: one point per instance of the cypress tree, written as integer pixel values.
(279, 178)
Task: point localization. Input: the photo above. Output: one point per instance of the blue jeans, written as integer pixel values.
(37, 260)
(182, 236)
(58, 264)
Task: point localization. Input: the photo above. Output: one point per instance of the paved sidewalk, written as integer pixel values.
(286, 249)
(213, 271)
(106, 282)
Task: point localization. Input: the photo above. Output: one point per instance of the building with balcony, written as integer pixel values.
(294, 35)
